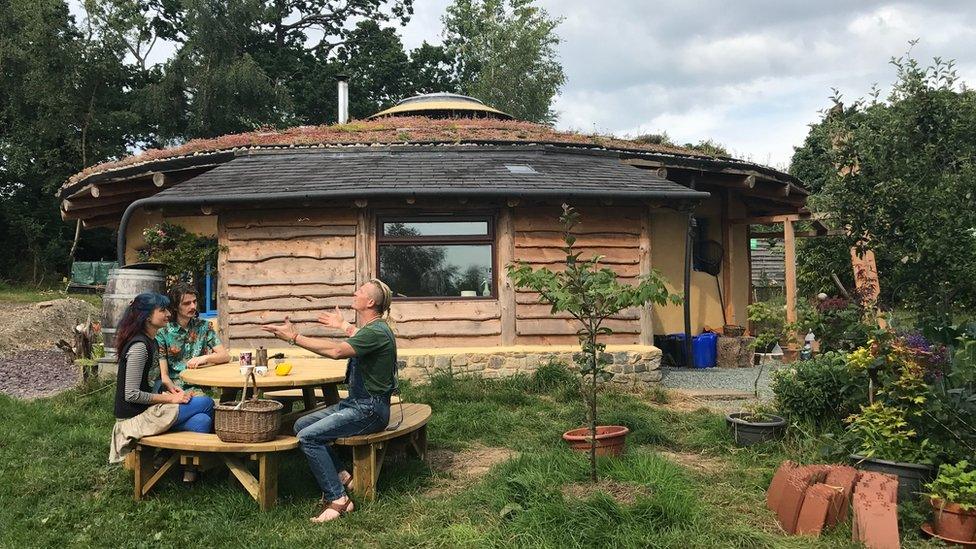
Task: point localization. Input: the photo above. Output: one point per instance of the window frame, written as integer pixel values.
(434, 240)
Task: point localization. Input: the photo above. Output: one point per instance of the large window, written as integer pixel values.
(437, 256)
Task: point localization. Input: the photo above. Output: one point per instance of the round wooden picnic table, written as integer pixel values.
(306, 374)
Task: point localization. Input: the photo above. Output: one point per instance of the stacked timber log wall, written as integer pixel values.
(613, 232)
(295, 263)
(301, 262)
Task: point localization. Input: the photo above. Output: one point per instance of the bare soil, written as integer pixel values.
(39, 326)
(697, 462)
(460, 469)
(624, 493)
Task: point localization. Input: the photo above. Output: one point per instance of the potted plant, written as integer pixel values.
(953, 498)
(887, 444)
(755, 424)
(590, 293)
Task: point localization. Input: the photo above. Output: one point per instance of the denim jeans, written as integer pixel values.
(196, 415)
(359, 414)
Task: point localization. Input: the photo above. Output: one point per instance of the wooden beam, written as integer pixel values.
(780, 218)
(642, 163)
(110, 220)
(730, 316)
(644, 253)
(79, 205)
(506, 292)
(733, 181)
(747, 193)
(789, 247)
(107, 189)
(98, 211)
(798, 234)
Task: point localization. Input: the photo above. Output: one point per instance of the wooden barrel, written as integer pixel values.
(123, 285)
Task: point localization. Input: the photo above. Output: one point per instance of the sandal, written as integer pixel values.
(347, 484)
(340, 508)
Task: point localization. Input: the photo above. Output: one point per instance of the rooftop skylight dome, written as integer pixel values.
(442, 105)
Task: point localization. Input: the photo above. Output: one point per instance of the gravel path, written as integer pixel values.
(35, 374)
(738, 379)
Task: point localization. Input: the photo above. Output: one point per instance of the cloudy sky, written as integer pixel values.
(748, 74)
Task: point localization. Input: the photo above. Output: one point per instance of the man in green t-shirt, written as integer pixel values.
(371, 375)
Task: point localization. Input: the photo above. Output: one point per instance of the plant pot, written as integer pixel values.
(911, 476)
(952, 522)
(610, 439)
(747, 433)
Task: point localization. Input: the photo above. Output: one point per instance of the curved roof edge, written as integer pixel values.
(399, 132)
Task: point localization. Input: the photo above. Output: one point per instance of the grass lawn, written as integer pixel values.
(692, 488)
(29, 294)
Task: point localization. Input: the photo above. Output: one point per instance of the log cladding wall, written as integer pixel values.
(278, 263)
(613, 232)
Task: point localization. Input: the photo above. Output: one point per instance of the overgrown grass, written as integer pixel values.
(10, 293)
(57, 489)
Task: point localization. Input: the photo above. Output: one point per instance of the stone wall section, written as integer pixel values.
(633, 370)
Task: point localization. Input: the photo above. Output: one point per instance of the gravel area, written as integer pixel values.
(36, 374)
(739, 379)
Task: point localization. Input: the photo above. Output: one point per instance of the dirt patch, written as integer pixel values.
(624, 493)
(457, 470)
(697, 462)
(472, 463)
(39, 326)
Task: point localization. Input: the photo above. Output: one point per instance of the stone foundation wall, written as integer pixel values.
(634, 370)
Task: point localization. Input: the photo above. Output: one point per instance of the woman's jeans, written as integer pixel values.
(196, 415)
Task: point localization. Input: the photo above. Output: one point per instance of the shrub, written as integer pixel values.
(818, 390)
(882, 432)
(955, 484)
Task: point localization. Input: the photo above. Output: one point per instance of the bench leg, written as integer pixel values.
(267, 480)
(367, 459)
(142, 466)
(418, 441)
(145, 478)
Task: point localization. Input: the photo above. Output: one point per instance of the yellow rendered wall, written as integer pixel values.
(667, 256)
(199, 224)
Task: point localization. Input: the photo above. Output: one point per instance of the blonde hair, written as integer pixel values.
(386, 300)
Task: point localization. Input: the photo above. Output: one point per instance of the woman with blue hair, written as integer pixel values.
(138, 411)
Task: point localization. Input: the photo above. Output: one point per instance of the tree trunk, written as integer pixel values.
(593, 408)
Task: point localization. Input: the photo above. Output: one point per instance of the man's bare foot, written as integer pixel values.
(335, 509)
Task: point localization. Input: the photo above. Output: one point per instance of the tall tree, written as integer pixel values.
(505, 52)
(900, 174)
(63, 105)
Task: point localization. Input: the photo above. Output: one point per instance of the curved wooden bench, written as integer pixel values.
(206, 451)
(289, 396)
(368, 450)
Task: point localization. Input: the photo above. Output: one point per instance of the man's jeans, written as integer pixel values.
(317, 431)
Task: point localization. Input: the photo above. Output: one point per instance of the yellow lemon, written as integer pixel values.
(283, 369)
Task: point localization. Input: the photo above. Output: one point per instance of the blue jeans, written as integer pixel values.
(318, 430)
(196, 415)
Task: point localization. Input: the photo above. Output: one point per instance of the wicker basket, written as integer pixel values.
(255, 421)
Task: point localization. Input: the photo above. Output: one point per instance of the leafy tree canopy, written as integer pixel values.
(900, 174)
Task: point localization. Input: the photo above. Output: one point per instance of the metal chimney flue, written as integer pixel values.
(343, 98)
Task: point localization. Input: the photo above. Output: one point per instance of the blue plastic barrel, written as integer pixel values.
(705, 350)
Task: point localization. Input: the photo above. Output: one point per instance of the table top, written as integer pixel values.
(304, 373)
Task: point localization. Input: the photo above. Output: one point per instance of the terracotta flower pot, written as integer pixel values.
(951, 521)
(609, 439)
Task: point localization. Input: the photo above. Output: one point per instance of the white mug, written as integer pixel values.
(261, 370)
(246, 370)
